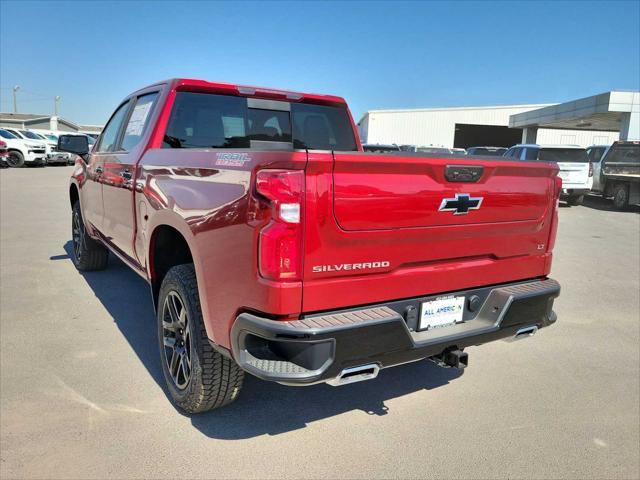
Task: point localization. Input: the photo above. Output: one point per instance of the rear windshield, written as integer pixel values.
(629, 153)
(380, 148)
(487, 151)
(204, 120)
(432, 150)
(576, 155)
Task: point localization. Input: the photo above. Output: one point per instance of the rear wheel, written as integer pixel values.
(575, 200)
(198, 377)
(87, 253)
(621, 196)
(15, 159)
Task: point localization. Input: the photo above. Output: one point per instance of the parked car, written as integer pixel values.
(595, 153)
(4, 154)
(33, 139)
(576, 171)
(377, 148)
(486, 151)
(52, 155)
(274, 245)
(620, 174)
(21, 151)
(459, 151)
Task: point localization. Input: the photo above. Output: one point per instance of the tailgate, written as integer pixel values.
(382, 227)
(377, 192)
(574, 173)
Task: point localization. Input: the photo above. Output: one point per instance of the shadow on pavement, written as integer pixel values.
(262, 407)
(600, 203)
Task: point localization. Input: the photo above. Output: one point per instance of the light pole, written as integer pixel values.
(56, 99)
(15, 103)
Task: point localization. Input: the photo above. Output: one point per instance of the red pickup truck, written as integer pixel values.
(273, 245)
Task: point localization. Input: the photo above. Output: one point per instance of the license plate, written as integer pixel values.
(441, 312)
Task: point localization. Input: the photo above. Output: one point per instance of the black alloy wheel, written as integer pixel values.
(176, 333)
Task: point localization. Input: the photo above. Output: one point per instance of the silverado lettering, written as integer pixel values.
(230, 201)
(349, 266)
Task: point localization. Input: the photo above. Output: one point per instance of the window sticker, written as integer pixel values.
(138, 119)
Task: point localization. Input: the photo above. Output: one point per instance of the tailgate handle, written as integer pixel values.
(463, 173)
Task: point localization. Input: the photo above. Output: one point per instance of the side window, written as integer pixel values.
(508, 153)
(597, 154)
(516, 153)
(204, 120)
(138, 121)
(531, 154)
(110, 133)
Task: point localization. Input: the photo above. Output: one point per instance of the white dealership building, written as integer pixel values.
(596, 120)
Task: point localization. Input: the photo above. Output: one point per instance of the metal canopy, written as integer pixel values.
(607, 111)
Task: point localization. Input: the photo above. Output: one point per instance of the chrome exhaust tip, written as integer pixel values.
(524, 332)
(355, 374)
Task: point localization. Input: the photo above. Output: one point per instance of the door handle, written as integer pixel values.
(126, 174)
(99, 170)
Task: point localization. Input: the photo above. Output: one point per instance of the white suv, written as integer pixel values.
(21, 151)
(575, 169)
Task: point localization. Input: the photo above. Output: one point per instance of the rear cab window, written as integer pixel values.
(624, 153)
(573, 155)
(207, 120)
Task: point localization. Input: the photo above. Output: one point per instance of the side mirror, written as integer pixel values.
(78, 144)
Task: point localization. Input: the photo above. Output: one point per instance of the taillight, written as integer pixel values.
(280, 248)
(590, 169)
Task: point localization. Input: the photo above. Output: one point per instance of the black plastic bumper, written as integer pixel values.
(318, 347)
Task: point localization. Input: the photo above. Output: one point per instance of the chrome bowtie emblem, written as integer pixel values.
(461, 204)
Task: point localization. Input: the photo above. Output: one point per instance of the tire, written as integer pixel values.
(621, 196)
(575, 200)
(88, 254)
(15, 159)
(198, 377)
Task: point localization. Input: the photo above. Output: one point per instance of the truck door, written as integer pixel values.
(118, 223)
(92, 205)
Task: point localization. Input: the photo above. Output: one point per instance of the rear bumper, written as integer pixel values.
(319, 347)
(58, 157)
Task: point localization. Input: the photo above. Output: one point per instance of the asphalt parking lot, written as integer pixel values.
(81, 394)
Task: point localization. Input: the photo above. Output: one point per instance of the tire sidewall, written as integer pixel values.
(193, 389)
(76, 211)
(620, 197)
(17, 155)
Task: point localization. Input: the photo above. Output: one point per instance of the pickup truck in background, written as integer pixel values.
(619, 174)
(274, 245)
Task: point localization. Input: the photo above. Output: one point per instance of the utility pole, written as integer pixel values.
(56, 99)
(15, 103)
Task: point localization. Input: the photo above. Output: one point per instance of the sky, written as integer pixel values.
(375, 54)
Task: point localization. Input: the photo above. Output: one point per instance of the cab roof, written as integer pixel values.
(537, 145)
(194, 85)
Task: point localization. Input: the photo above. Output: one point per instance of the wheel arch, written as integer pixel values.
(168, 247)
(74, 194)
